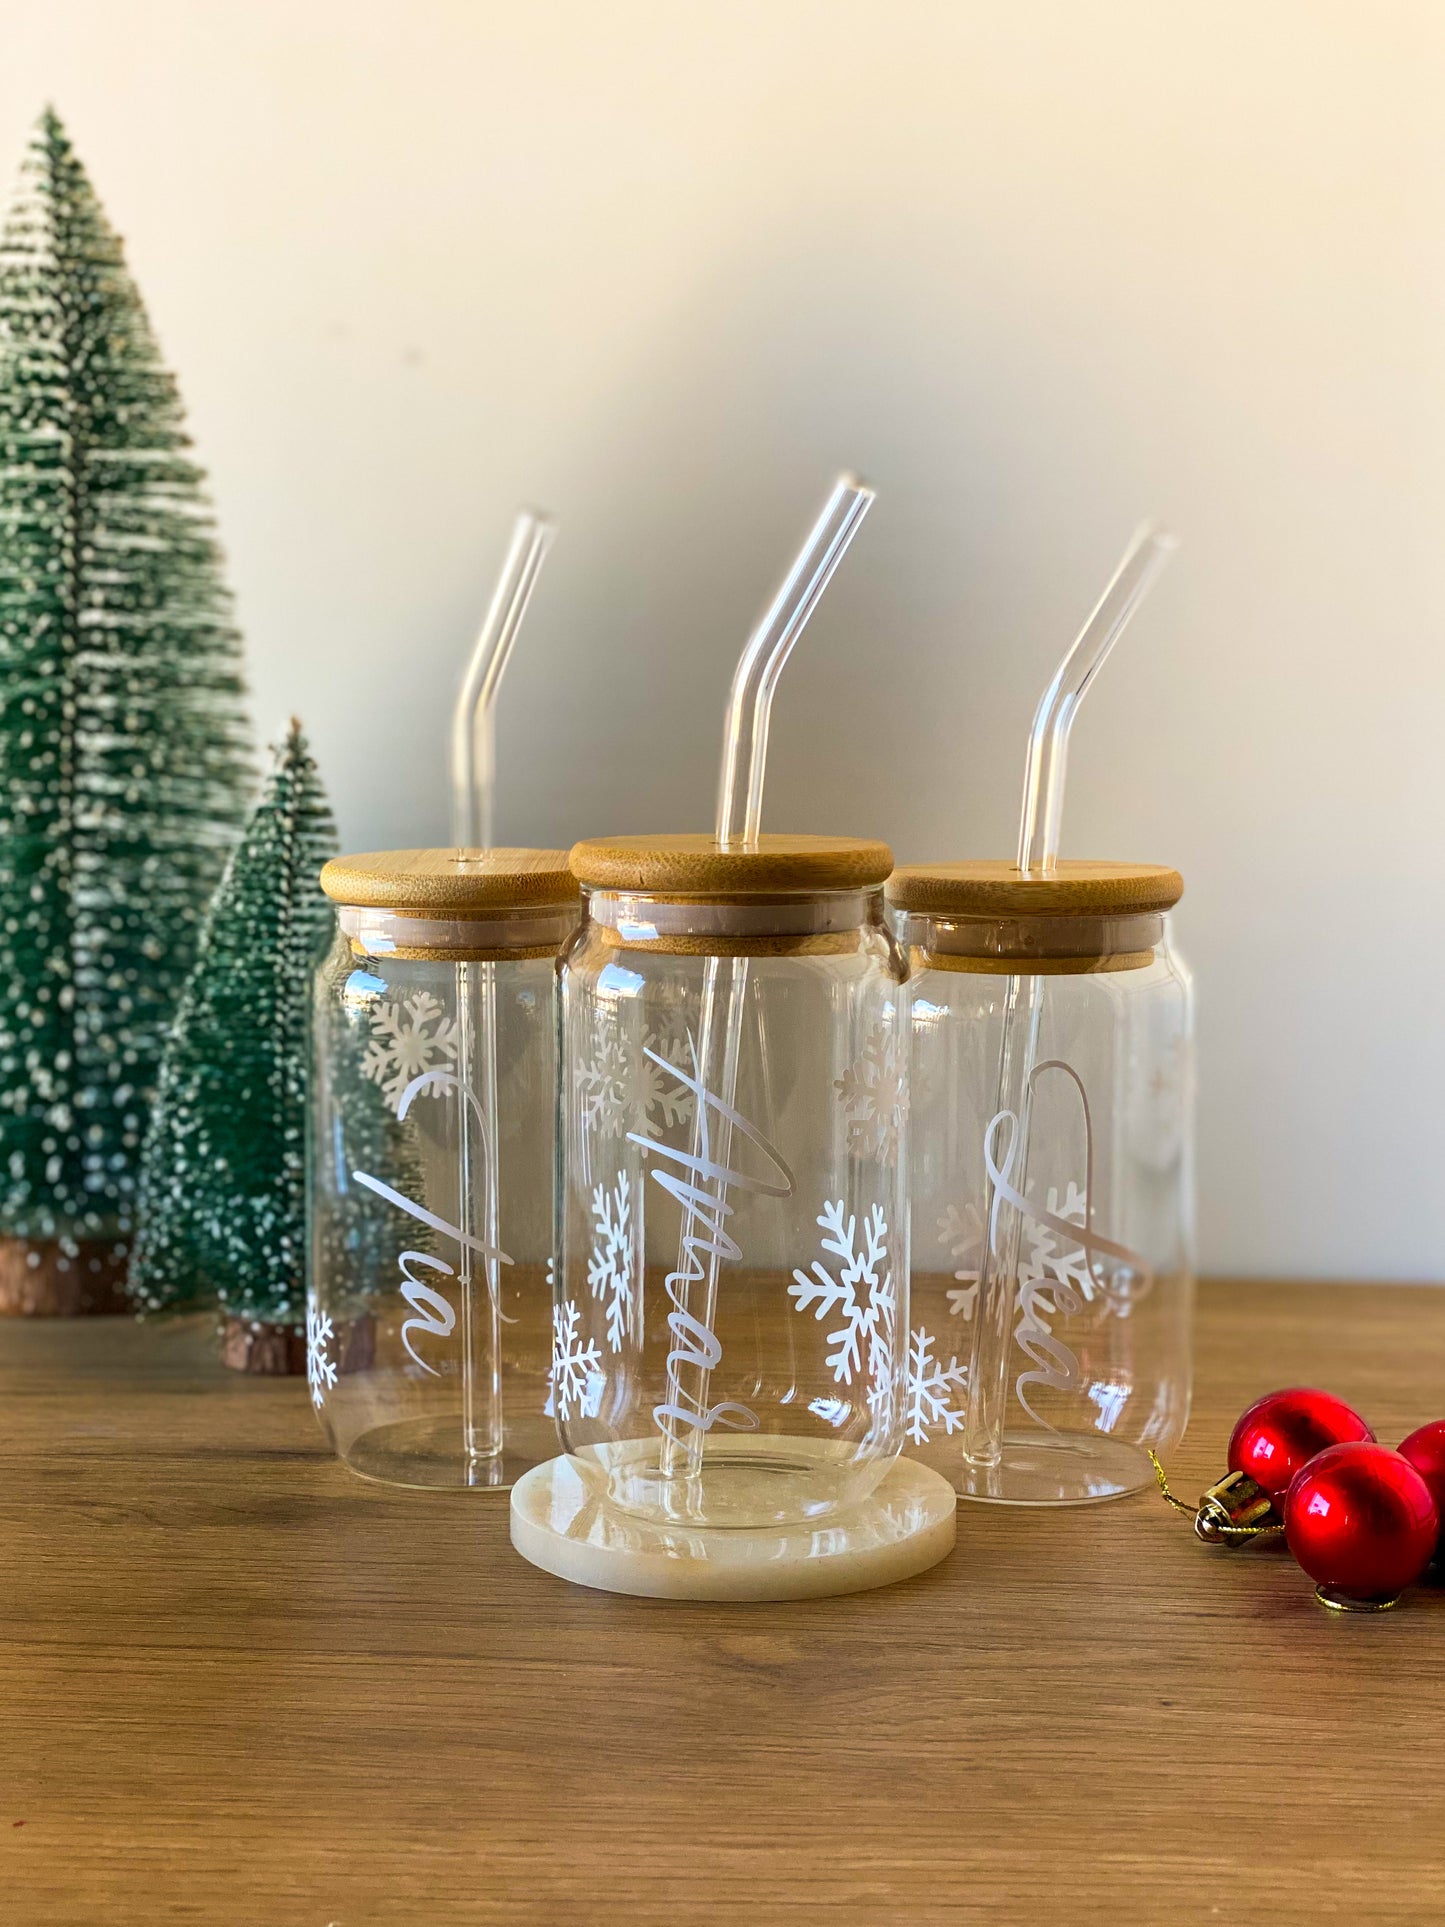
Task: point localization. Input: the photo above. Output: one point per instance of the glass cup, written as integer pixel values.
(731, 1302)
(431, 1156)
(1071, 1163)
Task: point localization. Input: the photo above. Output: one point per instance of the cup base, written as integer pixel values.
(760, 1481)
(1053, 1468)
(905, 1526)
(426, 1454)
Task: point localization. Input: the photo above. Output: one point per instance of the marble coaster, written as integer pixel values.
(903, 1528)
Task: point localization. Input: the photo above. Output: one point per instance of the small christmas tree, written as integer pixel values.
(124, 762)
(223, 1192)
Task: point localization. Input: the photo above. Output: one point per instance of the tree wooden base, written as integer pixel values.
(279, 1351)
(269, 1351)
(39, 1280)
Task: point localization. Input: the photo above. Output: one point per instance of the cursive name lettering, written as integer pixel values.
(434, 1312)
(701, 1186)
(1043, 1286)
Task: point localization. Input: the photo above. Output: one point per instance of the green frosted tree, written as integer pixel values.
(124, 755)
(223, 1190)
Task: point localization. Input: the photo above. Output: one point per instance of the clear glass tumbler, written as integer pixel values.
(1070, 1161)
(731, 1300)
(431, 1161)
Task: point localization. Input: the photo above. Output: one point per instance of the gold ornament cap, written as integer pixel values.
(1233, 1508)
(1231, 1512)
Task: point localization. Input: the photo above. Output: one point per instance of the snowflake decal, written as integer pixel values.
(873, 1094)
(576, 1388)
(609, 1269)
(1063, 1275)
(1042, 1263)
(320, 1372)
(928, 1388)
(614, 1091)
(1052, 1284)
(602, 1085)
(961, 1235)
(410, 1037)
(863, 1340)
(663, 1101)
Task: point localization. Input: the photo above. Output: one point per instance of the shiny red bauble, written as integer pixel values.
(1425, 1450)
(1360, 1519)
(1282, 1432)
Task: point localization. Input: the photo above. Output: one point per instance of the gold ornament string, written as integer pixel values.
(1178, 1504)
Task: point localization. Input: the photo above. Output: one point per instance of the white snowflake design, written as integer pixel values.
(662, 1100)
(602, 1085)
(1068, 1275)
(1052, 1284)
(1044, 1268)
(873, 1094)
(928, 1388)
(410, 1037)
(609, 1269)
(961, 1235)
(320, 1371)
(576, 1388)
(615, 1092)
(863, 1341)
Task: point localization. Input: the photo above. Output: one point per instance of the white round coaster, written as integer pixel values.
(906, 1526)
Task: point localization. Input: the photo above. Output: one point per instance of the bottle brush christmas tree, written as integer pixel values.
(124, 764)
(222, 1194)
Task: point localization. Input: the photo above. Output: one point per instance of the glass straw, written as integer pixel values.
(739, 818)
(1042, 815)
(473, 775)
(755, 680)
(474, 752)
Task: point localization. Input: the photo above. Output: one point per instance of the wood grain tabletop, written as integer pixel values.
(240, 1685)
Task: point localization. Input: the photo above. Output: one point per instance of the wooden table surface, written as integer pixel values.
(240, 1685)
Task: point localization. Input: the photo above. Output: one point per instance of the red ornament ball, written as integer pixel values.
(1282, 1432)
(1425, 1450)
(1360, 1520)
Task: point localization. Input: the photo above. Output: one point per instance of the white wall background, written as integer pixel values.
(1035, 268)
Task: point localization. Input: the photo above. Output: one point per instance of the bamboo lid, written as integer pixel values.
(699, 866)
(450, 883)
(994, 888)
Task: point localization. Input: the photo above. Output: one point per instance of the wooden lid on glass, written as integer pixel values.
(455, 884)
(699, 866)
(994, 918)
(995, 888)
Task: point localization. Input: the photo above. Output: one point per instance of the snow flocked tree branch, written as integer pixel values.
(124, 754)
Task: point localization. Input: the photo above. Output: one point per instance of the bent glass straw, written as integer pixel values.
(473, 759)
(739, 818)
(473, 776)
(1043, 805)
(755, 680)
